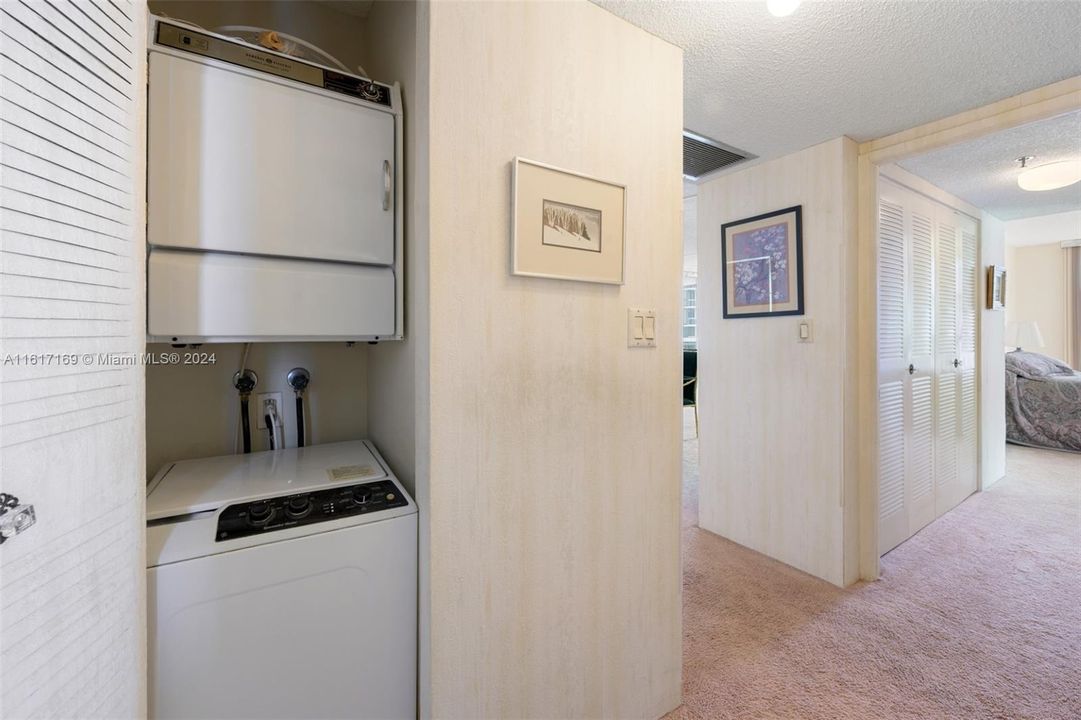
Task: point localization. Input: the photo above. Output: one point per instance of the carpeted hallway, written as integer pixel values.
(977, 616)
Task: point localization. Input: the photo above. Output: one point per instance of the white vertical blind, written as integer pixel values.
(72, 98)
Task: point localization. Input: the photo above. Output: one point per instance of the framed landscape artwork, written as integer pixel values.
(566, 225)
(762, 262)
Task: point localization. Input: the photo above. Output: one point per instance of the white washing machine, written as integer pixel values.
(282, 584)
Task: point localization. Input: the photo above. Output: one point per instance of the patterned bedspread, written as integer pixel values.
(1045, 412)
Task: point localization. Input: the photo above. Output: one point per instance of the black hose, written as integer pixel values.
(300, 420)
(269, 429)
(245, 424)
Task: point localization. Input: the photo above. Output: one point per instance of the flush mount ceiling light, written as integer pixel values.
(782, 8)
(1051, 176)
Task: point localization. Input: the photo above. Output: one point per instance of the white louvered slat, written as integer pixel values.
(922, 438)
(89, 16)
(71, 320)
(31, 390)
(891, 449)
(73, 113)
(14, 139)
(81, 183)
(65, 253)
(50, 186)
(923, 289)
(39, 204)
(946, 291)
(50, 290)
(968, 291)
(54, 73)
(55, 406)
(23, 22)
(29, 112)
(102, 57)
(114, 19)
(25, 222)
(21, 44)
(968, 413)
(891, 282)
(946, 431)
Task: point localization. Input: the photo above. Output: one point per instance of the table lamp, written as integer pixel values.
(1024, 333)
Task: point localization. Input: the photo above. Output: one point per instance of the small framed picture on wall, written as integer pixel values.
(566, 225)
(996, 287)
(762, 264)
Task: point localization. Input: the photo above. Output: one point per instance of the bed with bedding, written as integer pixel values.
(1043, 402)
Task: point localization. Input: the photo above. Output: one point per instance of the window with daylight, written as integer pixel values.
(690, 340)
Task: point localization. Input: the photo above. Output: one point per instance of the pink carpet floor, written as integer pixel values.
(977, 616)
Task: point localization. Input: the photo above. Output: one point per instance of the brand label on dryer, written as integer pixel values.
(348, 472)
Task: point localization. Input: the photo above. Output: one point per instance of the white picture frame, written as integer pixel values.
(566, 225)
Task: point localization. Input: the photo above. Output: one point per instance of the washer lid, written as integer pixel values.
(191, 486)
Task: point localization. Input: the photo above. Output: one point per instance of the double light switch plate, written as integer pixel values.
(641, 327)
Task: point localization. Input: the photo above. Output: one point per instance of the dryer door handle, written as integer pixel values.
(386, 184)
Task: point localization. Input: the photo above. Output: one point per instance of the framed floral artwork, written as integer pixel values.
(762, 262)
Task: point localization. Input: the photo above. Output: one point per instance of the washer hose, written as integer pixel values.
(300, 420)
(245, 423)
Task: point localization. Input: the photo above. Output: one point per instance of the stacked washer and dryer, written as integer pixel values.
(281, 584)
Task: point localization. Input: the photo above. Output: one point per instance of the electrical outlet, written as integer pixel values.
(261, 402)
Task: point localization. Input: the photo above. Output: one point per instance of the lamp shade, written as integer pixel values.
(1024, 333)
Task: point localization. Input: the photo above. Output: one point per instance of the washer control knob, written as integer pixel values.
(259, 512)
(362, 495)
(298, 506)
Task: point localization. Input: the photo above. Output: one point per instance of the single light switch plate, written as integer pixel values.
(806, 332)
(641, 327)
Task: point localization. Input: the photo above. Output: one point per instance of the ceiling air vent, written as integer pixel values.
(702, 155)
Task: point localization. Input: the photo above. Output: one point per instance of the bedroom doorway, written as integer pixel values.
(909, 440)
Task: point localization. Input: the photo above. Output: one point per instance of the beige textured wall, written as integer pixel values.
(992, 359)
(776, 472)
(1036, 290)
(555, 449)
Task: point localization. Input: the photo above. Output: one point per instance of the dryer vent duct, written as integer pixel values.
(701, 155)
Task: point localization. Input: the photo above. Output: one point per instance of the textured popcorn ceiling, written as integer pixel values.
(865, 69)
(984, 173)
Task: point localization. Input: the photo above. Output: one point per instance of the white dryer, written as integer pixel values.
(282, 584)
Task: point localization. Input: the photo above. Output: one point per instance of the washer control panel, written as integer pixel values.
(288, 511)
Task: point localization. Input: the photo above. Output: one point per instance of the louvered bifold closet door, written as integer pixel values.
(957, 478)
(906, 282)
(919, 478)
(72, 95)
(947, 349)
(927, 313)
(969, 451)
(893, 379)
